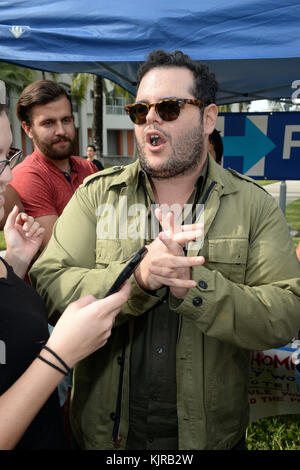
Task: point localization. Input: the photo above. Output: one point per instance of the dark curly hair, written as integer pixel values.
(205, 83)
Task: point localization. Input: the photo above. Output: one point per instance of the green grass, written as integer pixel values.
(264, 182)
(274, 433)
(292, 214)
(2, 241)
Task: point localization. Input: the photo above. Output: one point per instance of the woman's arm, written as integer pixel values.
(83, 328)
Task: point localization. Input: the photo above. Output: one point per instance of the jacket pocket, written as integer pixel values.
(229, 257)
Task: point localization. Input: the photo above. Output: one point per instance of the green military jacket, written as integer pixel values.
(247, 298)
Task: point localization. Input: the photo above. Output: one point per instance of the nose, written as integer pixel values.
(59, 129)
(153, 116)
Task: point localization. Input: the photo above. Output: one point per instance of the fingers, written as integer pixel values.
(175, 271)
(11, 218)
(170, 261)
(192, 227)
(175, 282)
(181, 234)
(116, 300)
(28, 225)
(83, 302)
(165, 255)
(110, 304)
(180, 239)
(86, 325)
(33, 231)
(167, 222)
(171, 225)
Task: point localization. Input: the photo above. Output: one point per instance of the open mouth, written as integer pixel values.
(155, 139)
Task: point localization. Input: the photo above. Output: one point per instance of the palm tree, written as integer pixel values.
(78, 89)
(16, 78)
(98, 115)
(79, 86)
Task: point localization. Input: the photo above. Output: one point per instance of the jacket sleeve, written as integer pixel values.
(262, 312)
(68, 268)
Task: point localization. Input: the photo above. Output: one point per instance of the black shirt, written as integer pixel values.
(23, 332)
(98, 164)
(153, 423)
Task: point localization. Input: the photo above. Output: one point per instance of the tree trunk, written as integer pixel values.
(98, 116)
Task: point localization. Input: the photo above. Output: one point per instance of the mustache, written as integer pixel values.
(157, 128)
(61, 139)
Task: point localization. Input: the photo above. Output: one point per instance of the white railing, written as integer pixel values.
(115, 109)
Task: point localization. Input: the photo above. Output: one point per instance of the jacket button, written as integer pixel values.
(197, 301)
(120, 361)
(202, 284)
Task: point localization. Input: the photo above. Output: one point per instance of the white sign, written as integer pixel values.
(272, 388)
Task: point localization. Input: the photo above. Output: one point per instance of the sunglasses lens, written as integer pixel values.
(138, 113)
(168, 110)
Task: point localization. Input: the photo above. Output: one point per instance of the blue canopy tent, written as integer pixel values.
(253, 46)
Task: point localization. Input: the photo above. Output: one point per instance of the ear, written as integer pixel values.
(27, 128)
(209, 118)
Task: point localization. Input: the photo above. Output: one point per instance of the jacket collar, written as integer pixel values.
(129, 175)
(223, 178)
(132, 174)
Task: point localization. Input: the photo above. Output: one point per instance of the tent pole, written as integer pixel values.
(282, 196)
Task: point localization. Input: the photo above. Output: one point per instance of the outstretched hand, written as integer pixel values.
(86, 325)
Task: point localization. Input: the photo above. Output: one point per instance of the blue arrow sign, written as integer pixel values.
(252, 146)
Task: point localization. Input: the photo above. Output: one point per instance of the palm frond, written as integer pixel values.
(79, 86)
(16, 78)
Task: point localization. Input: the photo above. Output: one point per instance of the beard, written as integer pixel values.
(48, 149)
(186, 156)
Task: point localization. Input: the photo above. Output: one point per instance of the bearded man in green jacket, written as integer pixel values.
(174, 373)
